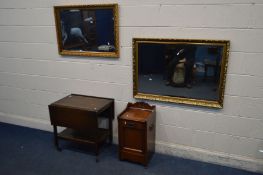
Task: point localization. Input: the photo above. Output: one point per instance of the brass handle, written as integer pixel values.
(128, 124)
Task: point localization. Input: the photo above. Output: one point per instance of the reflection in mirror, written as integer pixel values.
(181, 71)
(87, 30)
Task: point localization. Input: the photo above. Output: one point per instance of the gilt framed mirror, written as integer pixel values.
(87, 30)
(181, 71)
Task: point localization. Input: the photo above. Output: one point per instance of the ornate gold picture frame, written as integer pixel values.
(184, 71)
(87, 30)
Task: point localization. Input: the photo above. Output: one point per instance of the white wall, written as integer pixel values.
(33, 75)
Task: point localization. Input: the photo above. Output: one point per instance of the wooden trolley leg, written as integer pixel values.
(97, 152)
(56, 137)
(110, 123)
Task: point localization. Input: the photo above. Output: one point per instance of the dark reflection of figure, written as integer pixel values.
(175, 68)
(179, 67)
(168, 57)
(189, 66)
(72, 30)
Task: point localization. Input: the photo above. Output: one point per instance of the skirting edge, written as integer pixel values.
(230, 160)
(26, 121)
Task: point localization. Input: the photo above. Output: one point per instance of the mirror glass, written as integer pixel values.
(181, 71)
(87, 30)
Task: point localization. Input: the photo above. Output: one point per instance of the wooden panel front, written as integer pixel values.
(133, 156)
(72, 118)
(133, 139)
(137, 133)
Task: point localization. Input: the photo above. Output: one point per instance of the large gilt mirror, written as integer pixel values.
(180, 70)
(87, 30)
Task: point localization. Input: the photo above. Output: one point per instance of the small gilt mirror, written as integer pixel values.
(87, 30)
(180, 70)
